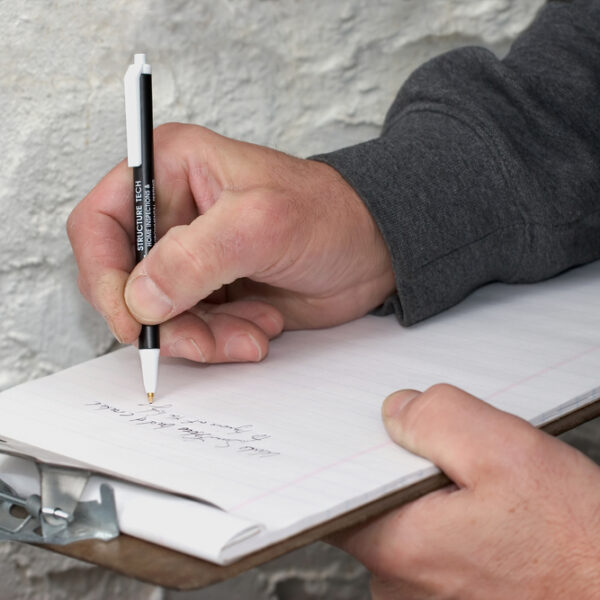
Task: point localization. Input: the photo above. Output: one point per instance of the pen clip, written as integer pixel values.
(133, 117)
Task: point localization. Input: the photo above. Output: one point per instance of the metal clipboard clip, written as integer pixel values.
(56, 515)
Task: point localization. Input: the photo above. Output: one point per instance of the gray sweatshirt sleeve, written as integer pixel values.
(487, 169)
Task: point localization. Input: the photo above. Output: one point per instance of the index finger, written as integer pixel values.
(100, 230)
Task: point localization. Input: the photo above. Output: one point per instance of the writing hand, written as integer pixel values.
(251, 241)
(522, 521)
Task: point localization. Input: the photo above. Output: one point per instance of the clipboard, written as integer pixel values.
(167, 568)
(500, 352)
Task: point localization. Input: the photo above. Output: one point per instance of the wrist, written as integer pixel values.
(372, 258)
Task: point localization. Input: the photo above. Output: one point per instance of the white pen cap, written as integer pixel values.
(132, 108)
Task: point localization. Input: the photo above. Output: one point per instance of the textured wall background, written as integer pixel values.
(303, 76)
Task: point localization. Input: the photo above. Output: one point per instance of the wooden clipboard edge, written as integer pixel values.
(167, 568)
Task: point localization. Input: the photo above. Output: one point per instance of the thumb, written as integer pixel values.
(192, 261)
(461, 434)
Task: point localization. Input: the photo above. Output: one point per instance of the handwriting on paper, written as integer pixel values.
(242, 439)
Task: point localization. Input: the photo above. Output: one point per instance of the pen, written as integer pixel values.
(140, 156)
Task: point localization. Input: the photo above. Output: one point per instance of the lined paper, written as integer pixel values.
(297, 439)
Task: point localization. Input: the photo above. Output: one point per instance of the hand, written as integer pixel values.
(251, 241)
(521, 521)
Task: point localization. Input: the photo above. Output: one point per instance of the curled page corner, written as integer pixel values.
(183, 524)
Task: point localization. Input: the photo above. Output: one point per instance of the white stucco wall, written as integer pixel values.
(302, 75)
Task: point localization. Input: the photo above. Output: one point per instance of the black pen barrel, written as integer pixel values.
(145, 195)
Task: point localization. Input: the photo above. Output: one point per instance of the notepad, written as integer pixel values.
(271, 449)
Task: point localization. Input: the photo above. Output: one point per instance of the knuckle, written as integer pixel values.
(174, 132)
(85, 290)
(71, 224)
(442, 391)
(82, 285)
(166, 138)
(168, 130)
(422, 410)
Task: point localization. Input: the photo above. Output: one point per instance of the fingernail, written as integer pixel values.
(243, 347)
(113, 330)
(188, 348)
(118, 337)
(395, 403)
(147, 301)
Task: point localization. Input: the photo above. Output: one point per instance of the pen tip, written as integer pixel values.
(150, 397)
